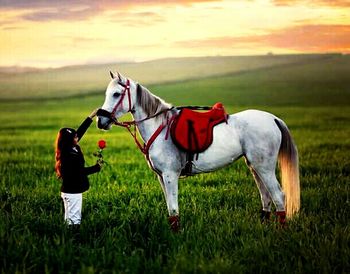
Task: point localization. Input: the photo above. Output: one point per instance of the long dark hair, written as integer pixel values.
(64, 141)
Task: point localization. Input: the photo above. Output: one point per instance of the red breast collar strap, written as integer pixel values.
(144, 148)
(151, 140)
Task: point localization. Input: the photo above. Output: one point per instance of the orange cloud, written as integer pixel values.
(313, 38)
(306, 38)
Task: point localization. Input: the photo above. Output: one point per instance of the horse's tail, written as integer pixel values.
(289, 165)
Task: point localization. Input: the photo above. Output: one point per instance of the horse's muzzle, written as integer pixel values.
(104, 119)
(103, 123)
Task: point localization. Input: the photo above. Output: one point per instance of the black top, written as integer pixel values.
(74, 174)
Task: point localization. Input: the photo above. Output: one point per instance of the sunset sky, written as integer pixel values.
(43, 33)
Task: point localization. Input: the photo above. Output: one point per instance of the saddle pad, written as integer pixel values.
(192, 131)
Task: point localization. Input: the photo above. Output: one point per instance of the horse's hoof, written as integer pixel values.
(281, 218)
(174, 222)
(265, 216)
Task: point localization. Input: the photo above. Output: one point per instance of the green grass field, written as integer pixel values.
(125, 229)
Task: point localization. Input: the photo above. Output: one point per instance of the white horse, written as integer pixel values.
(260, 137)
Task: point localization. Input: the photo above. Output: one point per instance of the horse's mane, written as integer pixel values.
(150, 103)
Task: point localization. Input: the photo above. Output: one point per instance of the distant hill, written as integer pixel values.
(28, 83)
(18, 69)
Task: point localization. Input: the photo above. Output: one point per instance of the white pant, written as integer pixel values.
(72, 207)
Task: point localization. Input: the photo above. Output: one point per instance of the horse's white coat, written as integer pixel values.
(253, 134)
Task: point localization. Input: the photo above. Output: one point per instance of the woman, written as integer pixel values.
(70, 168)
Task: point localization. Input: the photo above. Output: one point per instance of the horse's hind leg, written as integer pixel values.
(264, 195)
(264, 169)
(273, 187)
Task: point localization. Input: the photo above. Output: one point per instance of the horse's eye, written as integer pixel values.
(116, 94)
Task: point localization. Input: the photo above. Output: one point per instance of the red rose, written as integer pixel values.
(101, 144)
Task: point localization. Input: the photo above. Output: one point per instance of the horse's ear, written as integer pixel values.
(112, 75)
(119, 76)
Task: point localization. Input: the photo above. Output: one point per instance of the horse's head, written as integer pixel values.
(120, 95)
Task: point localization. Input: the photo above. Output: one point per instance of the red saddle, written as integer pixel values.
(192, 131)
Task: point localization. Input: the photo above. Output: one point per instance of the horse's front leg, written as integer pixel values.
(169, 181)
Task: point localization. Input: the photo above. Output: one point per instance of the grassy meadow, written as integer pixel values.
(124, 227)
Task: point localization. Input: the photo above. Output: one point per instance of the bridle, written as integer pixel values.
(129, 124)
(111, 115)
